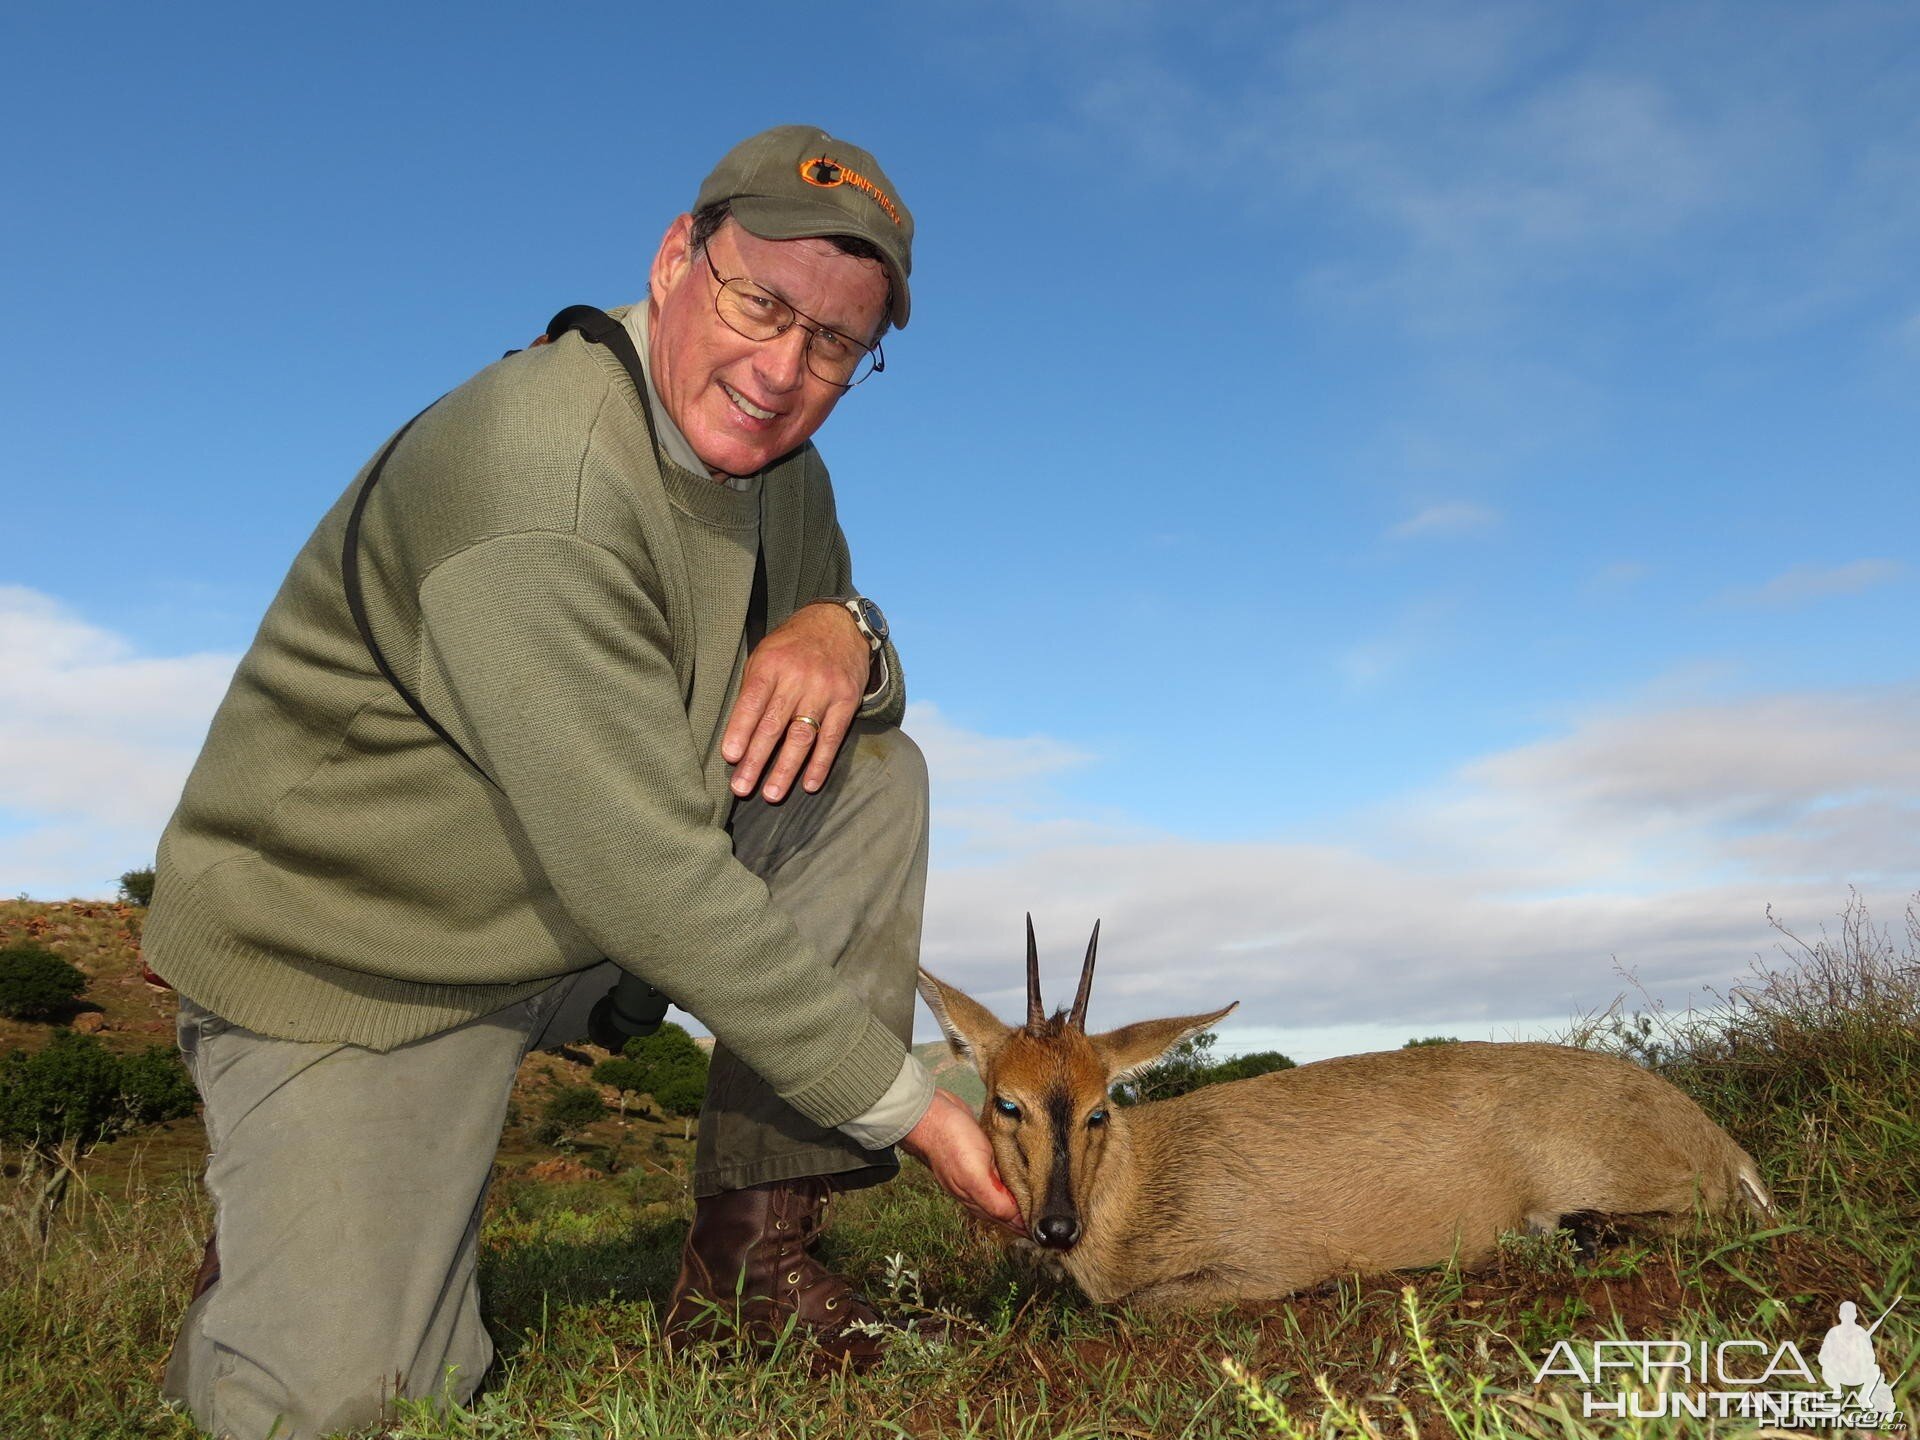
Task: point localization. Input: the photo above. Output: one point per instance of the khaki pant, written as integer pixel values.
(348, 1184)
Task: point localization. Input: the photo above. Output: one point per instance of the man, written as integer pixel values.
(611, 707)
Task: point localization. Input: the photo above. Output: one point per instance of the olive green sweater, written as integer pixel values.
(570, 606)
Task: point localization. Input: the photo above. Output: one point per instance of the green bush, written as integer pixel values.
(1814, 1062)
(1431, 1040)
(155, 1086)
(627, 1076)
(35, 983)
(1188, 1066)
(568, 1110)
(668, 1065)
(1245, 1067)
(78, 1092)
(1179, 1071)
(136, 886)
(58, 1104)
(682, 1093)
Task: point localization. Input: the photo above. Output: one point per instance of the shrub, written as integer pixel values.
(569, 1110)
(668, 1065)
(1180, 1070)
(1431, 1040)
(58, 1104)
(682, 1093)
(1245, 1067)
(155, 1086)
(67, 1093)
(76, 1091)
(136, 886)
(1188, 1066)
(627, 1076)
(36, 983)
(1815, 1062)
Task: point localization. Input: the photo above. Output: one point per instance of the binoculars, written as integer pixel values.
(632, 1008)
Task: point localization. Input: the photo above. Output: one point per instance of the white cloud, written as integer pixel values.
(1792, 791)
(1731, 760)
(1419, 631)
(1450, 518)
(1306, 936)
(1477, 156)
(1370, 663)
(968, 760)
(1636, 849)
(95, 742)
(1617, 575)
(995, 796)
(1802, 583)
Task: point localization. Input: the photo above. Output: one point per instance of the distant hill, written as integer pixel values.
(101, 938)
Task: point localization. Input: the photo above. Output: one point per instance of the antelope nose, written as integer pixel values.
(1057, 1232)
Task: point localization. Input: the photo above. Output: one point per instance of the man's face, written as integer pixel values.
(742, 403)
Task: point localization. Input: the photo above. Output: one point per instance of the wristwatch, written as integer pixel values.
(867, 615)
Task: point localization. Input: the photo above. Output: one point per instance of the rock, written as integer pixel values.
(90, 1022)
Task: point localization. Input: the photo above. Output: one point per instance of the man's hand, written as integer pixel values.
(813, 665)
(955, 1148)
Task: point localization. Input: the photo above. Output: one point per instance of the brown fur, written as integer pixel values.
(1261, 1187)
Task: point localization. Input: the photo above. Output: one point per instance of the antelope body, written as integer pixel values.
(1257, 1188)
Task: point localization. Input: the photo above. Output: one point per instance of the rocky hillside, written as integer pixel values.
(129, 1009)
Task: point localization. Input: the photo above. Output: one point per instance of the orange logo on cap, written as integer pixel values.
(826, 172)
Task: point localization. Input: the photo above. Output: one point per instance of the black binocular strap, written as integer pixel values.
(356, 600)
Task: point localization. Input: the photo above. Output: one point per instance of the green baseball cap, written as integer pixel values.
(796, 181)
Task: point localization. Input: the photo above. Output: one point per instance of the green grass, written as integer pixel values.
(1814, 1066)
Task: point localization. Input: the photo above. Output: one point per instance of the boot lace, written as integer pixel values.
(799, 1217)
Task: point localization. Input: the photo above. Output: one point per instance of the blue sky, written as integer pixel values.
(1404, 510)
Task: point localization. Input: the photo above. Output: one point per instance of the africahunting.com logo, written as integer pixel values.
(1735, 1379)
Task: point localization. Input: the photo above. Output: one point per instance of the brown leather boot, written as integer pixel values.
(209, 1275)
(746, 1270)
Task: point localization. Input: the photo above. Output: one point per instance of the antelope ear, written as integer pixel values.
(1133, 1047)
(971, 1029)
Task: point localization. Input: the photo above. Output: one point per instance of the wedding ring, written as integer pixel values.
(808, 720)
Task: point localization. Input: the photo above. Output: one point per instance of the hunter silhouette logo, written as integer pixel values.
(1747, 1379)
(825, 173)
(1848, 1364)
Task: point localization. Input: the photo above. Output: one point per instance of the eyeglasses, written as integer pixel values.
(746, 309)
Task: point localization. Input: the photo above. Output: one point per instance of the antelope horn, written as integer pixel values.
(1036, 1012)
(1077, 1018)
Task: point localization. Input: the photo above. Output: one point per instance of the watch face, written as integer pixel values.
(876, 619)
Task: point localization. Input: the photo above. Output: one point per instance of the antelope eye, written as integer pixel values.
(1006, 1107)
(1098, 1117)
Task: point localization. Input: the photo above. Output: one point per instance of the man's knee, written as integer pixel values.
(886, 759)
(874, 802)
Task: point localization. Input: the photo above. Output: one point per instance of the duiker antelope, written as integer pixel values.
(1261, 1187)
